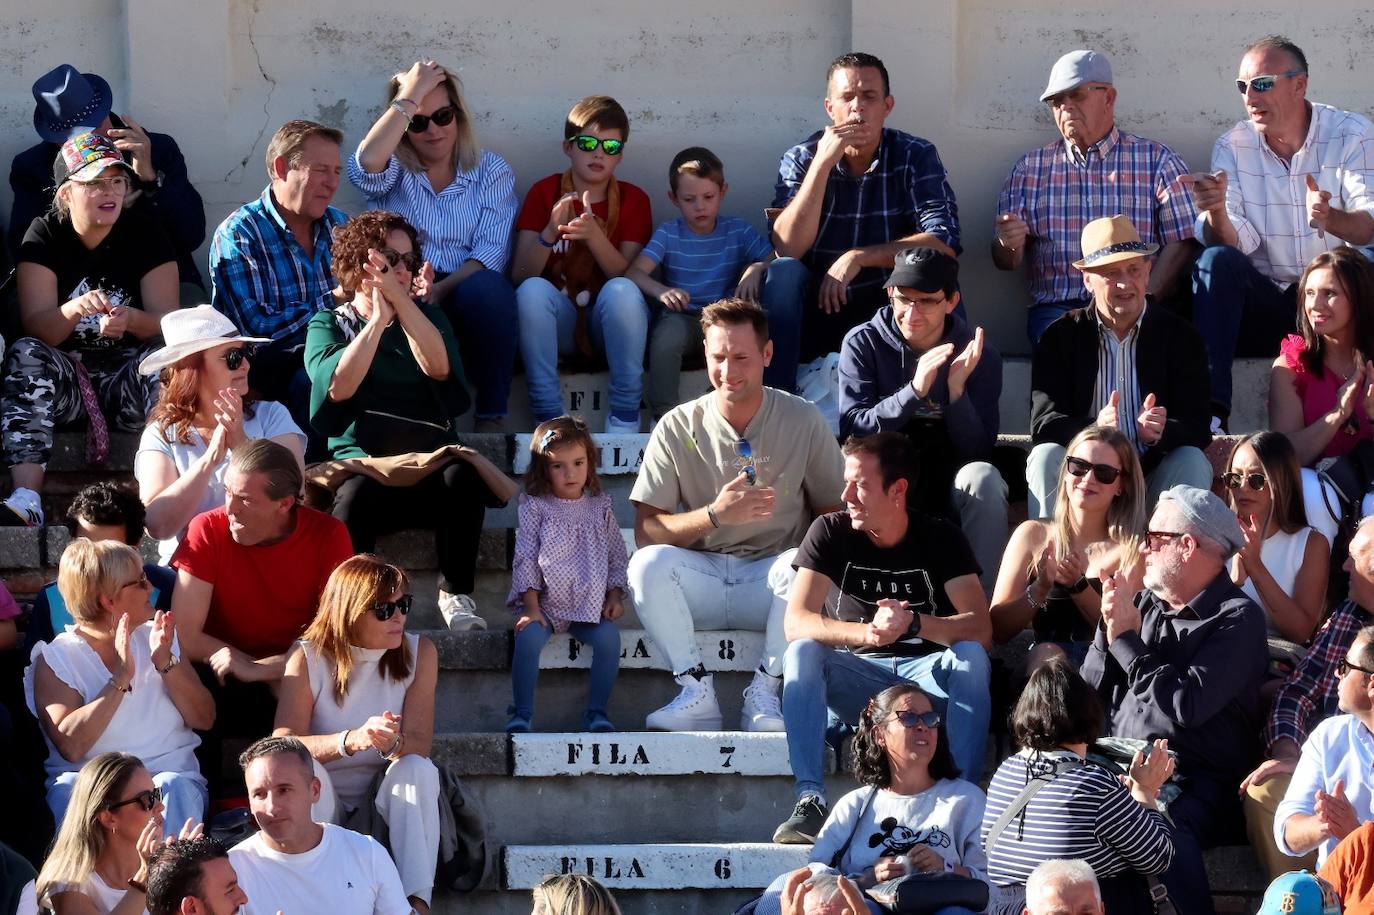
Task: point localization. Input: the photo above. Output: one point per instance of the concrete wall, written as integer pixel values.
(744, 77)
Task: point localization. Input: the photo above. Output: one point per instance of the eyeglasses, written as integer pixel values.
(923, 305)
(1156, 539)
(442, 117)
(141, 582)
(1105, 474)
(589, 144)
(410, 258)
(746, 453)
(909, 719)
(1077, 96)
(1235, 480)
(146, 800)
(386, 609)
(233, 358)
(1344, 667)
(1264, 83)
(119, 184)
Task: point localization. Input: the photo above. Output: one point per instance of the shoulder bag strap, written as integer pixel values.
(868, 802)
(1024, 798)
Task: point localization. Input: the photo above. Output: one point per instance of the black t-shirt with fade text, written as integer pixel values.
(916, 570)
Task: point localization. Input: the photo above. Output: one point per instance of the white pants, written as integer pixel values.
(408, 802)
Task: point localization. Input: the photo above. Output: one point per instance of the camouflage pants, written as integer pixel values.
(40, 393)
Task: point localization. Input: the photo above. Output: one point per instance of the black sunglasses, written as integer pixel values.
(1235, 480)
(386, 609)
(1105, 474)
(909, 719)
(442, 117)
(1344, 667)
(146, 800)
(233, 358)
(410, 258)
(746, 453)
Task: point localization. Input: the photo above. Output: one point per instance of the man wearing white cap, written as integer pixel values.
(1120, 362)
(1095, 170)
(1291, 181)
(1183, 660)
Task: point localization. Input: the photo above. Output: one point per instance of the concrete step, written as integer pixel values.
(694, 866)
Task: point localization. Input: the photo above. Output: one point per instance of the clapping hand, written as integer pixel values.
(1119, 612)
(928, 368)
(963, 365)
(1149, 770)
(229, 416)
(160, 640)
(1335, 813)
(381, 731)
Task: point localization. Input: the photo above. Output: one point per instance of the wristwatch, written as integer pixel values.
(913, 629)
(1079, 586)
(150, 188)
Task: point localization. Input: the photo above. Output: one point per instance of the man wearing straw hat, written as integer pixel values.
(1119, 362)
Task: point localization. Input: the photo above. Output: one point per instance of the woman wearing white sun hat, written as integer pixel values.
(204, 412)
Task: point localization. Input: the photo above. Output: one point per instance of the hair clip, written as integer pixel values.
(546, 439)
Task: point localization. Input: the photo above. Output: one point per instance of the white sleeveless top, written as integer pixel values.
(369, 694)
(1282, 554)
(146, 724)
(103, 896)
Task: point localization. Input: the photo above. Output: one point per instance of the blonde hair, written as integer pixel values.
(353, 588)
(90, 570)
(466, 151)
(573, 894)
(81, 840)
(1125, 516)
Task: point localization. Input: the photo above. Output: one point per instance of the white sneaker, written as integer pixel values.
(460, 612)
(27, 509)
(621, 427)
(694, 709)
(762, 704)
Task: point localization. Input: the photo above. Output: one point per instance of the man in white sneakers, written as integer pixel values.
(296, 866)
(729, 481)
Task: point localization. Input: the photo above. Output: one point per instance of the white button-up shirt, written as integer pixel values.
(1266, 197)
(1339, 748)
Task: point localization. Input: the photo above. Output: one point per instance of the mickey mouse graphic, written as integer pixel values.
(897, 839)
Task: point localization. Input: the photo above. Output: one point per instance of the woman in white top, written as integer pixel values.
(359, 693)
(204, 413)
(114, 681)
(99, 862)
(1283, 565)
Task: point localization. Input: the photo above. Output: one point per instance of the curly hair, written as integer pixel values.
(353, 238)
(107, 504)
(869, 757)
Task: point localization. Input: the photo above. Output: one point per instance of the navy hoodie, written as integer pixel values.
(876, 368)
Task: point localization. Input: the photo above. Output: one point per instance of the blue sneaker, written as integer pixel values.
(598, 723)
(518, 724)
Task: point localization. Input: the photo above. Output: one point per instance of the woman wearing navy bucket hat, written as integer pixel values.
(68, 102)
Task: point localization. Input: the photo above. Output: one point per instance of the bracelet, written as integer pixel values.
(343, 743)
(170, 664)
(1030, 599)
(392, 750)
(711, 514)
(397, 106)
(122, 689)
(546, 244)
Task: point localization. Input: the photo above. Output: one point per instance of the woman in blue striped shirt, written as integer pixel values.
(421, 160)
(1084, 812)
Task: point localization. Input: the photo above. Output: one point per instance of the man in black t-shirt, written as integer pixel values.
(882, 596)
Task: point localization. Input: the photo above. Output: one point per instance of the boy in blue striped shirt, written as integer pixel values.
(704, 258)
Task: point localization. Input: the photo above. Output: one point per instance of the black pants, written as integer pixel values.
(1208, 813)
(244, 712)
(451, 502)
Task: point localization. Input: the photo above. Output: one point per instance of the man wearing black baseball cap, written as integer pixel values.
(69, 102)
(917, 368)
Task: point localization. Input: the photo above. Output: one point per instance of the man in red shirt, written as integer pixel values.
(249, 578)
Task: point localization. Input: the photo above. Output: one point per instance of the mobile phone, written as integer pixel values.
(117, 122)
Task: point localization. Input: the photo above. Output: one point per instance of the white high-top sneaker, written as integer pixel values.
(762, 704)
(694, 709)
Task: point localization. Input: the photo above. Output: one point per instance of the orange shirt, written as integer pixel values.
(1350, 869)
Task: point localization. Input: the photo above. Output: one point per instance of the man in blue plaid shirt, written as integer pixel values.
(1308, 697)
(270, 262)
(851, 196)
(1096, 170)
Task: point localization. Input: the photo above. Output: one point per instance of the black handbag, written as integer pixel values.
(925, 894)
(383, 434)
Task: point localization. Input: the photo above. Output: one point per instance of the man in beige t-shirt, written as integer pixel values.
(729, 481)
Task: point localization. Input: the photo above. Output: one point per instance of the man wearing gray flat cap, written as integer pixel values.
(1093, 170)
(1183, 660)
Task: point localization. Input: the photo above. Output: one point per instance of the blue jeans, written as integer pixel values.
(819, 681)
(786, 289)
(1042, 316)
(602, 637)
(480, 309)
(1238, 311)
(619, 330)
(184, 796)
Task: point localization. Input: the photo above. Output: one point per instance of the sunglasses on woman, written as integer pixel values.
(146, 800)
(589, 144)
(1235, 480)
(442, 117)
(386, 609)
(233, 358)
(1266, 82)
(909, 719)
(410, 259)
(1105, 474)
